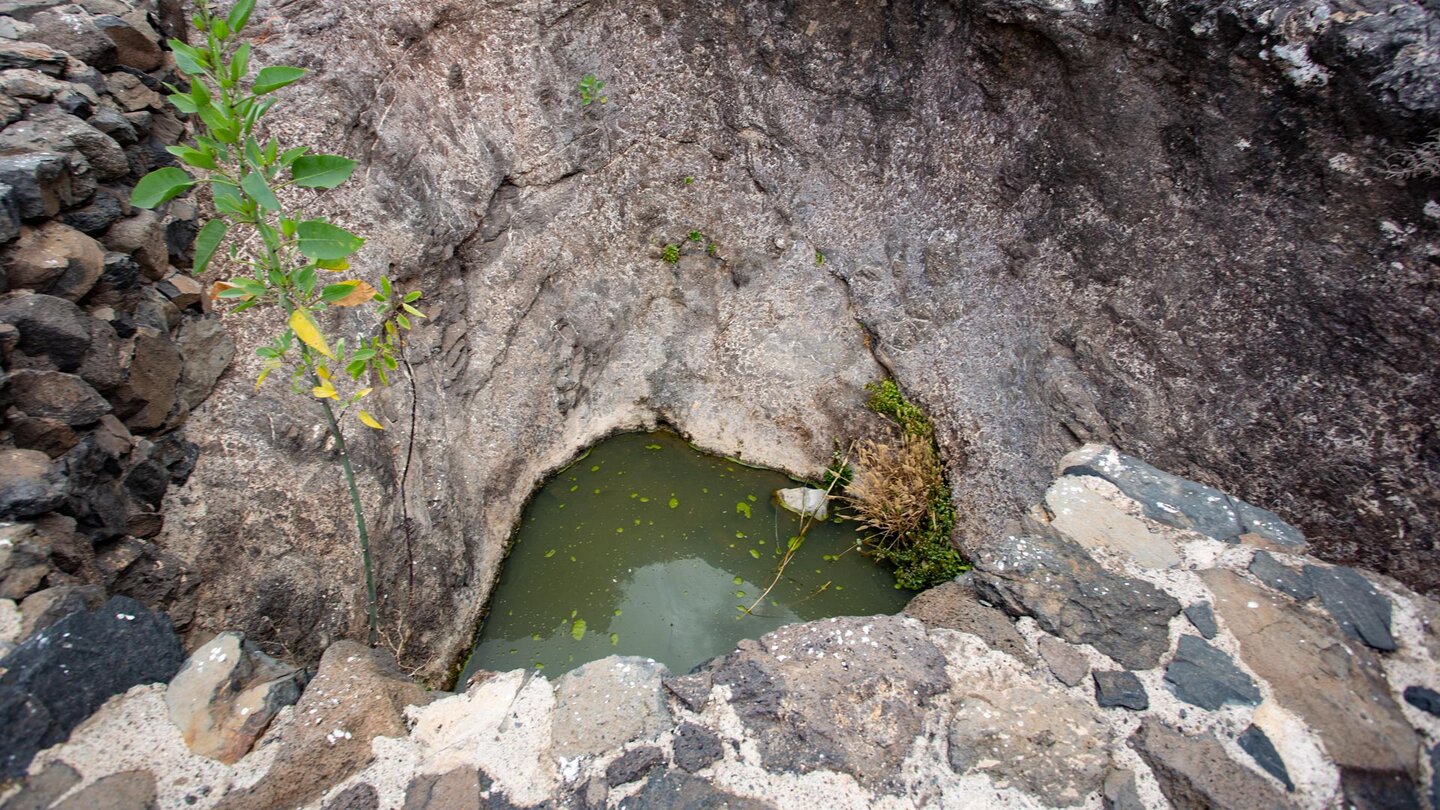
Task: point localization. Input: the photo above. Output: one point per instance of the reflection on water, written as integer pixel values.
(648, 547)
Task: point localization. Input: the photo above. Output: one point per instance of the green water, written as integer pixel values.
(648, 547)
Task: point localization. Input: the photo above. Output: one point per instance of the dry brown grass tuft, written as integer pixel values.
(893, 488)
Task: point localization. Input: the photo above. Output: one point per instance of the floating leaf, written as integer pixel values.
(739, 580)
(307, 330)
(617, 611)
(743, 508)
(614, 639)
(754, 553)
(674, 502)
(577, 630)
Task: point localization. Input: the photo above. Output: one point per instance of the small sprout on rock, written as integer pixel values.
(670, 254)
(590, 88)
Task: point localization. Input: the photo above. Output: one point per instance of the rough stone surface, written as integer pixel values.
(29, 486)
(1008, 284)
(103, 653)
(54, 259)
(1282, 578)
(696, 747)
(55, 395)
(1337, 687)
(40, 791)
(50, 327)
(1361, 611)
(207, 349)
(1254, 742)
(457, 788)
(1119, 791)
(1066, 663)
(954, 605)
(132, 790)
(1206, 677)
(1051, 746)
(608, 703)
(357, 694)
(46, 607)
(226, 695)
(1071, 596)
(634, 764)
(1195, 773)
(676, 791)
(786, 690)
(1082, 513)
(1202, 617)
(1119, 688)
(1423, 698)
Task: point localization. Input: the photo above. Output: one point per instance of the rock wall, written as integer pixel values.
(1136, 641)
(105, 346)
(1165, 226)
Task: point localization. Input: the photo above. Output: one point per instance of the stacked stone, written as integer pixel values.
(106, 342)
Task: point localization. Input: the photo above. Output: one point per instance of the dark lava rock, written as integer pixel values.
(70, 29)
(29, 486)
(1254, 742)
(1435, 776)
(953, 605)
(72, 667)
(1120, 688)
(672, 790)
(1202, 616)
(846, 694)
(1184, 504)
(102, 212)
(50, 327)
(41, 183)
(696, 747)
(1206, 677)
(693, 690)
(1378, 790)
(634, 764)
(1282, 578)
(1194, 772)
(1423, 698)
(56, 395)
(1073, 597)
(1354, 603)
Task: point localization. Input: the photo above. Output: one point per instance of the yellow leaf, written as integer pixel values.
(363, 292)
(325, 390)
(307, 330)
(334, 266)
(323, 372)
(362, 392)
(264, 372)
(370, 421)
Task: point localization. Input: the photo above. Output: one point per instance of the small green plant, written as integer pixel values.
(695, 236)
(898, 494)
(689, 180)
(670, 254)
(590, 88)
(819, 259)
(712, 250)
(282, 270)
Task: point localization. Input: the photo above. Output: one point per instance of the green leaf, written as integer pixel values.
(322, 241)
(159, 186)
(194, 157)
(219, 122)
(249, 285)
(239, 15)
(356, 368)
(184, 103)
(412, 297)
(206, 241)
(290, 155)
(228, 199)
(402, 320)
(412, 310)
(305, 280)
(254, 185)
(191, 61)
(271, 79)
(321, 171)
(335, 292)
(240, 65)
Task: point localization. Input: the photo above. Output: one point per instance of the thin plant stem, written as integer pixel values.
(359, 518)
(806, 521)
